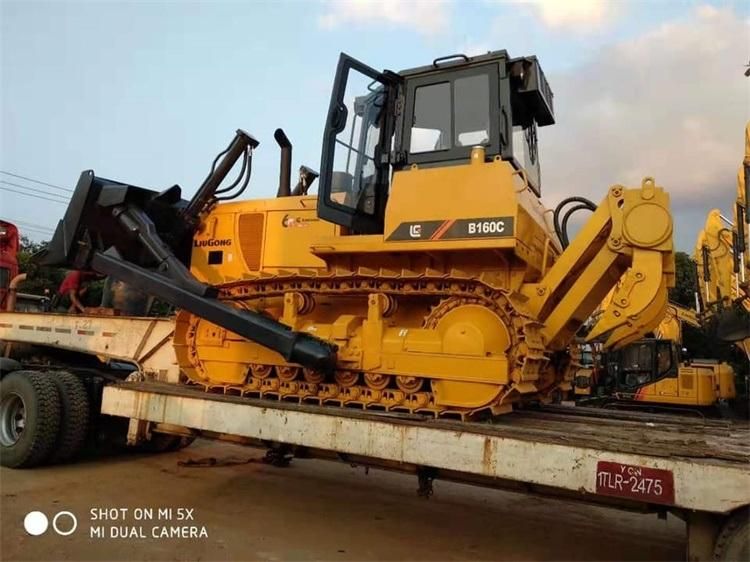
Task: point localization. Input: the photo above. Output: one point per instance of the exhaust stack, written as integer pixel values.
(285, 168)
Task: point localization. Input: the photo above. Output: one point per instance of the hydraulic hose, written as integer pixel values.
(561, 227)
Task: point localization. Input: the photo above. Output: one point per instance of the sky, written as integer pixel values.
(148, 92)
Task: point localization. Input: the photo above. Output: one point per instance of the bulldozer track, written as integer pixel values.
(367, 390)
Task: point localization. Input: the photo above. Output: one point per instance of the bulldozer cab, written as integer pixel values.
(381, 122)
(641, 363)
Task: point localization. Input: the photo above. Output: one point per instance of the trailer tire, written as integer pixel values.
(733, 542)
(166, 443)
(74, 420)
(8, 365)
(181, 443)
(31, 398)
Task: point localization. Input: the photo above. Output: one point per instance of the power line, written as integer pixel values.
(31, 189)
(35, 181)
(25, 229)
(32, 195)
(26, 224)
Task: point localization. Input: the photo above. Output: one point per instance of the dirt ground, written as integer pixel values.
(312, 510)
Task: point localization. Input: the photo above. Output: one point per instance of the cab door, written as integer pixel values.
(355, 162)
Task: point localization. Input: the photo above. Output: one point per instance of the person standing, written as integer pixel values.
(72, 290)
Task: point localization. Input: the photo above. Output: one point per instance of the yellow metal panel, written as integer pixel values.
(250, 236)
(289, 234)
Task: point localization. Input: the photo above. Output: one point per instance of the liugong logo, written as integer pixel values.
(212, 243)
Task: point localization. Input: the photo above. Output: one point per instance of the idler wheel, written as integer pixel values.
(261, 371)
(287, 373)
(408, 384)
(377, 381)
(346, 378)
(313, 377)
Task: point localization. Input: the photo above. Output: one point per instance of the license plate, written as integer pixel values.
(653, 485)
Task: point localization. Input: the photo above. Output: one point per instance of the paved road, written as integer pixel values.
(313, 510)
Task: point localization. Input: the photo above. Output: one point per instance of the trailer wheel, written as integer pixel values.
(181, 443)
(165, 443)
(733, 542)
(29, 418)
(74, 423)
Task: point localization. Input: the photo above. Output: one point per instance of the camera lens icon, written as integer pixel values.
(36, 523)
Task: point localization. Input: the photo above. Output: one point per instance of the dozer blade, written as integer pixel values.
(638, 303)
(143, 238)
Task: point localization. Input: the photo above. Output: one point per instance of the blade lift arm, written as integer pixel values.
(626, 245)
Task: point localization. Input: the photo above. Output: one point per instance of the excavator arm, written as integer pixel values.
(670, 327)
(742, 221)
(715, 258)
(625, 245)
(723, 269)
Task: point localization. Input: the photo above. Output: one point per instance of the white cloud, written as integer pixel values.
(428, 17)
(579, 15)
(472, 49)
(671, 103)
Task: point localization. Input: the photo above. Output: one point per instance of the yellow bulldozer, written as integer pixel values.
(425, 276)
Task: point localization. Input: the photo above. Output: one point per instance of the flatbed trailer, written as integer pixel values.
(696, 469)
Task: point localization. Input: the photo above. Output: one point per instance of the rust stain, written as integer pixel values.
(488, 456)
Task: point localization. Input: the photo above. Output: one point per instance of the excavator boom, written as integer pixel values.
(723, 269)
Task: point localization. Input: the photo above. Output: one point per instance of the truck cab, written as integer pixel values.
(9, 246)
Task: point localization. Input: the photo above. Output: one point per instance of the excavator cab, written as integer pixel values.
(641, 363)
(381, 122)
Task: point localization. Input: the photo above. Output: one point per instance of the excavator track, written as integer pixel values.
(372, 389)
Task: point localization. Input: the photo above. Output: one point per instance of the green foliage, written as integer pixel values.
(39, 280)
(46, 280)
(683, 292)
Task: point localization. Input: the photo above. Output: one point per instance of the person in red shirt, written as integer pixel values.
(72, 289)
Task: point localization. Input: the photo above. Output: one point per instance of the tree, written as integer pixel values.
(43, 280)
(39, 280)
(683, 293)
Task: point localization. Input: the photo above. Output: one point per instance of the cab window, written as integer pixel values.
(431, 128)
(664, 360)
(472, 110)
(355, 176)
(447, 118)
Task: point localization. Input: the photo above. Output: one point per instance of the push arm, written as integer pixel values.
(625, 245)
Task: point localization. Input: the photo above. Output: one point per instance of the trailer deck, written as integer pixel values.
(636, 461)
(697, 469)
